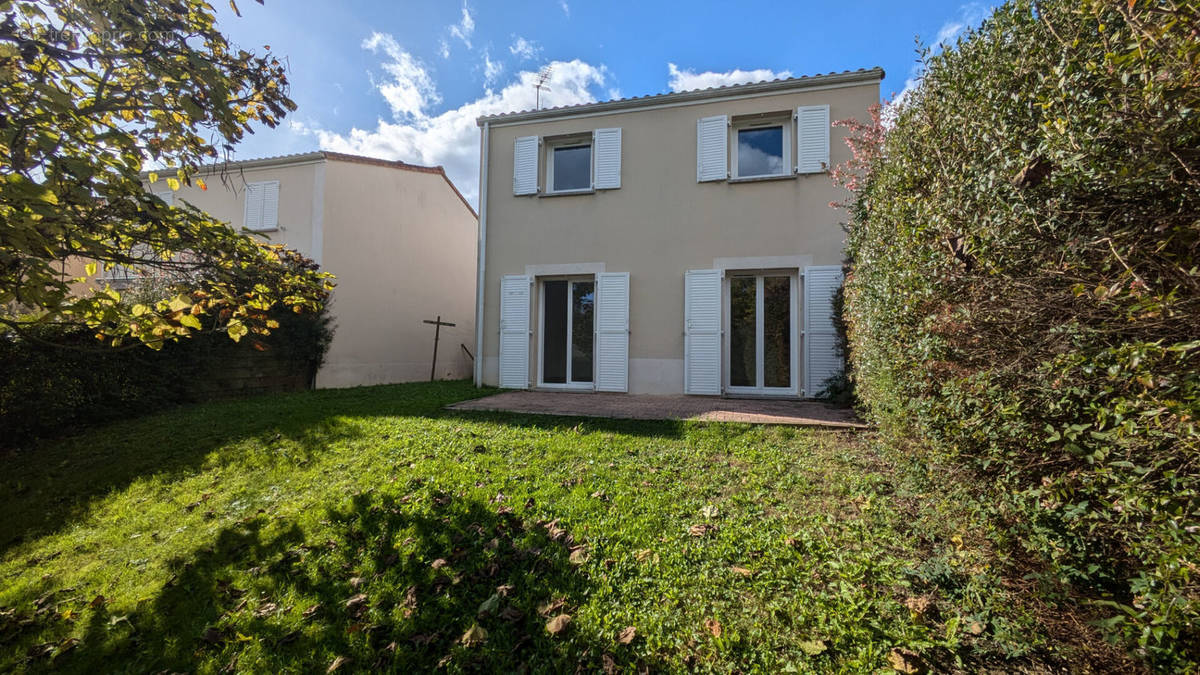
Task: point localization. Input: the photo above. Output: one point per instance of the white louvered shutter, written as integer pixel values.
(254, 207)
(525, 165)
(821, 359)
(812, 138)
(167, 196)
(514, 331)
(712, 152)
(270, 208)
(702, 332)
(612, 332)
(606, 151)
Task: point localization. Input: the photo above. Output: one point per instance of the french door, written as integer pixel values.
(761, 333)
(567, 345)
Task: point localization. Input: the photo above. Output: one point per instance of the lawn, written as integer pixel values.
(369, 528)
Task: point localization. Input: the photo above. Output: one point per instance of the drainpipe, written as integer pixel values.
(483, 177)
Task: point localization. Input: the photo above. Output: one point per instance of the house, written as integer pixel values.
(400, 239)
(674, 243)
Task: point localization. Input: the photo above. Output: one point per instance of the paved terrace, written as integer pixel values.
(647, 407)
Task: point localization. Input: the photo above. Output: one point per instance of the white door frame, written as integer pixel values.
(541, 310)
(793, 390)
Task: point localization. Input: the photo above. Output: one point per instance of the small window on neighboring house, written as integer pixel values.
(570, 166)
(762, 150)
(262, 206)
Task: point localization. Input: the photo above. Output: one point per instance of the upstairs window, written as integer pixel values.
(762, 150)
(570, 166)
(262, 206)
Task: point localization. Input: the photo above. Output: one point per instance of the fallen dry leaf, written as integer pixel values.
(504, 590)
(337, 663)
(355, 582)
(356, 602)
(608, 665)
(579, 555)
(713, 626)
(905, 661)
(549, 608)
(558, 624)
(701, 529)
(511, 614)
(742, 571)
(475, 635)
(266, 609)
(438, 564)
(976, 628)
(311, 611)
(627, 635)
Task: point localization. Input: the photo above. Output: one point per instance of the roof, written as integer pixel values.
(325, 155)
(846, 77)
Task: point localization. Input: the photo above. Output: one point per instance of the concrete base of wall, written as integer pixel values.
(646, 376)
(340, 375)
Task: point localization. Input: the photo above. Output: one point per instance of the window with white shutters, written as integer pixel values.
(514, 331)
(262, 206)
(525, 165)
(812, 139)
(712, 148)
(702, 332)
(821, 358)
(612, 331)
(606, 149)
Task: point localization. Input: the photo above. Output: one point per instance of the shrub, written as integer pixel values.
(1023, 295)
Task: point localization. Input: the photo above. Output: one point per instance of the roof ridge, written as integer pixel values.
(688, 94)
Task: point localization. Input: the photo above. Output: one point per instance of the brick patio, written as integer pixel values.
(646, 407)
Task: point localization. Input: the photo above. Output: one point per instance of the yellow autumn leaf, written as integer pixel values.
(173, 183)
(91, 269)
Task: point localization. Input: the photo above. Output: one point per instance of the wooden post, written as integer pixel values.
(437, 333)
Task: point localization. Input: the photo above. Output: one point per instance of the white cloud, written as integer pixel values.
(444, 49)
(491, 69)
(464, 28)
(408, 88)
(526, 49)
(565, 7)
(451, 138)
(686, 80)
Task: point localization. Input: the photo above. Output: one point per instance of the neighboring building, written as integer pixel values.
(674, 243)
(400, 239)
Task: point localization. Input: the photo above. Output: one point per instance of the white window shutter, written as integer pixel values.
(525, 165)
(270, 208)
(514, 331)
(612, 331)
(167, 196)
(712, 150)
(821, 358)
(254, 207)
(812, 139)
(702, 332)
(606, 152)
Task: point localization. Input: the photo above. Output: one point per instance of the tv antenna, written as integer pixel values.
(543, 76)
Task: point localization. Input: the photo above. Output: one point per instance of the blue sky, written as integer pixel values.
(406, 80)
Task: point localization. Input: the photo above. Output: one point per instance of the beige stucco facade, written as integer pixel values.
(662, 222)
(400, 240)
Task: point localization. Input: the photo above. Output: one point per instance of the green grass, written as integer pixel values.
(282, 533)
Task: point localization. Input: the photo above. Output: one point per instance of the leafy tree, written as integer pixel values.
(91, 93)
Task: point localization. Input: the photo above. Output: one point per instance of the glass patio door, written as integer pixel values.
(761, 329)
(568, 333)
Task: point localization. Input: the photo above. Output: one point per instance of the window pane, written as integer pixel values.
(742, 329)
(760, 151)
(777, 331)
(554, 337)
(582, 317)
(573, 168)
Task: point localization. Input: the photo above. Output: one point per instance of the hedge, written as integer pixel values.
(60, 379)
(1023, 296)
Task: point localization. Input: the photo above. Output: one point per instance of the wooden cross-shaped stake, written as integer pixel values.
(437, 332)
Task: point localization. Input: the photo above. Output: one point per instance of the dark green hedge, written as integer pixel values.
(1024, 296)
(62, 379)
